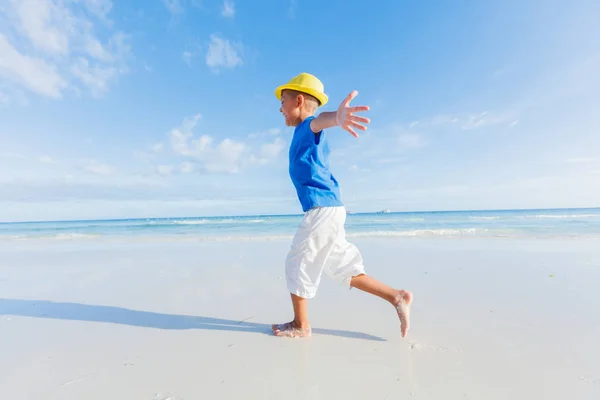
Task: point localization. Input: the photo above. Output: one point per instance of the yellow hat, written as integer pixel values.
(305, 83)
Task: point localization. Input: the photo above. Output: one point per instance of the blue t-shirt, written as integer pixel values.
(309, 169)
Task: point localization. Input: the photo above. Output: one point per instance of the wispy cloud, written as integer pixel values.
(149, 152)
(484, 119)
(47, 160)
(187, 57)
(222, 53)
(292, 9)
(226, 156)
(356, 168)
(99, 7)
(411, 140)
(268, 152)
(32, 73)
(4, 99)
(96, 167)
(580, 160)
(267, 133)
(10, 155)
(190, 53)
(467, 121)
(186, 167)
(228, 10)
(51, 46)
(165, 169)
(389, 160)
(174, 6)
(502, 71)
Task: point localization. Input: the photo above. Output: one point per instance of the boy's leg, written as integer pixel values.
(300, 326)
(345, 265)
(400, 299)
(310, 248)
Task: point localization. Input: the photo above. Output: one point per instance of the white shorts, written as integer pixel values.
(320, 245)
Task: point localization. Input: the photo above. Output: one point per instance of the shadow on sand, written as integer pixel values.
(124, 316)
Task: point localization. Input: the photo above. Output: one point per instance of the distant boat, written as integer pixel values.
(386, 211)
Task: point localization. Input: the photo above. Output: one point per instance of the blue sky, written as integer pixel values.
(166, 108)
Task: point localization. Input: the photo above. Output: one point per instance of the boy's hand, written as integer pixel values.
(346, 118)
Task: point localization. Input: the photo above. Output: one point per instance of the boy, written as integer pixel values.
(320, 244)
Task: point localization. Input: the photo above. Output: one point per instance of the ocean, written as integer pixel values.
(556, 223)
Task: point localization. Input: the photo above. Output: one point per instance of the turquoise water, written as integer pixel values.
(571, 223)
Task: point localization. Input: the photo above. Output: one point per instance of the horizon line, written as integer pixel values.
(300, 214)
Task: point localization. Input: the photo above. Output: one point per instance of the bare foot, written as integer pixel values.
(402, 305)
(290, 329)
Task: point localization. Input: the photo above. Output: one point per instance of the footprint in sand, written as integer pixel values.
(415, 346)
(166, 396)
(590, 380)
(443, 349)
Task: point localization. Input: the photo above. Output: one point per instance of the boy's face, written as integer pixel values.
(290, 108)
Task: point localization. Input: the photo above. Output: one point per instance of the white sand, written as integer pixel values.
(91, 320)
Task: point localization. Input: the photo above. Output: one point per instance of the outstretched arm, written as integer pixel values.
(344, 117)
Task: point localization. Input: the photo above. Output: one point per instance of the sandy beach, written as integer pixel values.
(492, 319)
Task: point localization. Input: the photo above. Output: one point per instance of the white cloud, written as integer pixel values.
(95, 49)
(411, 140)
(53, 46)
(292, 9)
(223, 53)
(227, 156)
(46, 24)
(356, 168)
(466, 121)
(165, 169)
(94, 77)
(34, 74)
(98, 168)
(15, 156)
(174, 6)
(99, 7)
(9, 94)
(501, 72)
(149, 153)
(180, 136)
(187, 57)
(190, 53)
(389, 160)
(47, 160)
(203, 152)
(268, 132)
(157, 147)
(483, 119)
(272, 150)
(228, 10)
(580, 160)
(268, 152)
(142, 155)
(186, 167)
